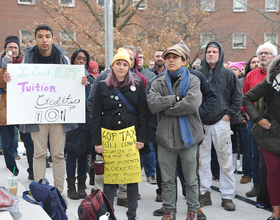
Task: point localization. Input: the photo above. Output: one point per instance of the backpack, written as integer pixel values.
(95, 205)
(48, 197)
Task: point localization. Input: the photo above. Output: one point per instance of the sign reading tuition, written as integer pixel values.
(45, 94)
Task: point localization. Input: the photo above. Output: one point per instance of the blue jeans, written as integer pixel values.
(148, 161)
(7, 136)
(15, 143)
(71, 165)
(251, 154)
(29, 146)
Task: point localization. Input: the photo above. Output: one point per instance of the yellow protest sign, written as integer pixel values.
(121, 157)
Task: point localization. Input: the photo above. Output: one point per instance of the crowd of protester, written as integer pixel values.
(197, 119)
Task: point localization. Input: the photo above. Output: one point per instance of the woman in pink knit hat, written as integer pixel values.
(237, 67)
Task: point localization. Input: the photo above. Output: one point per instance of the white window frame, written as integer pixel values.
(21, 37)
(67, 45)
(243, 41)
(205, 38)
(142, 6)
(26, 3)
(205, 3)
(239, 5)
(68, 5)
(267, 2)
(266, 38)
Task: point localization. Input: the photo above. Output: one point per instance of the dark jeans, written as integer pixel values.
(158, 173)
(263, 196)
(29, 146)
(148, 161)
(246, 140)
(252, 155)
(15, 145)
(132, 197)
(7, 136)
(71, 165)
(215, 167)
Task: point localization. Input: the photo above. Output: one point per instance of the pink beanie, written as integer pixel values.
(238, 65)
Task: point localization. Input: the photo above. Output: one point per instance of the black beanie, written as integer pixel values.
(11, 39)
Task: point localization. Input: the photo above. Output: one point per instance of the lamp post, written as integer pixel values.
(109, 45)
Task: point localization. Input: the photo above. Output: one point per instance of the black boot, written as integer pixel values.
(71, 192)
(81, 186)
(91, 176)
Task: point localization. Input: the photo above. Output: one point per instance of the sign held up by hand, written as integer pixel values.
(45, 94)
(121, 157)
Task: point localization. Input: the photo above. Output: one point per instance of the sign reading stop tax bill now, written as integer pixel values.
(45, 94)
(121, 157)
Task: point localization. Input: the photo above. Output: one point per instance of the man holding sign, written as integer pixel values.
(45, 52)
(176, 97)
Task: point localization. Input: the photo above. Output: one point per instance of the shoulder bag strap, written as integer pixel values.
(125, 101)
(26, 198)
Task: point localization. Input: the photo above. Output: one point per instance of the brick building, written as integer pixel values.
(235, 24)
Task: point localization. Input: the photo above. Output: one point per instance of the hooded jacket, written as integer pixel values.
(267, 139)
(226, 86)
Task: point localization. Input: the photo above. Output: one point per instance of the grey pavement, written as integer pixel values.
(147, 204)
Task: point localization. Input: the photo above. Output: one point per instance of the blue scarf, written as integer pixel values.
(183, 87)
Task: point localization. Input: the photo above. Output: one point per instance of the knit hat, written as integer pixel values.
(11, 39)
(93, 68)
(238, 65)
(179, 49)
(185, 48)
(197, 62)
(122, 54)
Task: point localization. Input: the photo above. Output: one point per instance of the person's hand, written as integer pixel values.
(84, 80)
(247, 116)
(243, 121)
(5, 60)
(7, 77)
(265, 124)
(99, 149)
(226, 118)
(139, 145)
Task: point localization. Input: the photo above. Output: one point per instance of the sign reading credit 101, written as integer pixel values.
(45, 94)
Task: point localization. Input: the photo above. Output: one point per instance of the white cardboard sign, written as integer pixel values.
(45, 94)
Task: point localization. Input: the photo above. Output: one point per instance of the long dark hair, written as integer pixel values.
(75, 54)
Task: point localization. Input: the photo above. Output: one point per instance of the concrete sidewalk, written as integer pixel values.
(146, 206)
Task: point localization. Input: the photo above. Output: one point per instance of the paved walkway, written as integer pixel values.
(146, 206)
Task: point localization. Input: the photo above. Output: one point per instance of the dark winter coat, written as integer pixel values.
(110, 112)
(78, 141)
(267, 139)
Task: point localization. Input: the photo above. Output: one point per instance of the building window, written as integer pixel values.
(27, 2)
(69, 3)
(272, 38)
(25, 37)
(100, 3)
(271, 5)
(239, 6)
(239, 41)
(66, 39)
(142, 6)
(173, 5)
(205, 39)
(207, 5)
